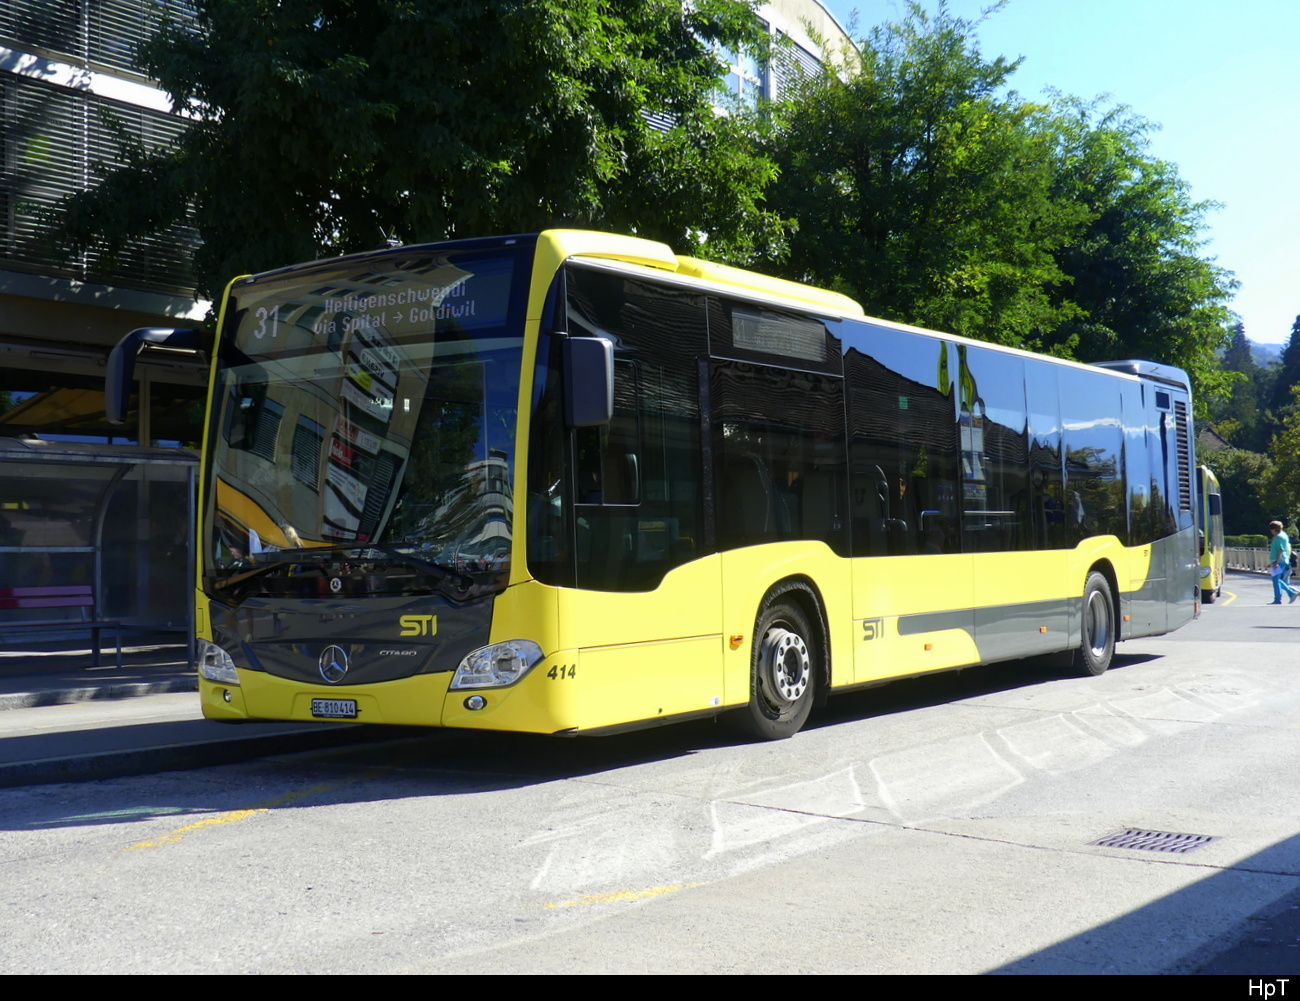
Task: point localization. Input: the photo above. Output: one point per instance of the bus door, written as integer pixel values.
(781, 517)
(645, 606)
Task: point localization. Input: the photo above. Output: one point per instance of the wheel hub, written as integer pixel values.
(1098, 619)
(786, 667)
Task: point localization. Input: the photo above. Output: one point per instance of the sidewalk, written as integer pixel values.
(29, 679)
(62, 720)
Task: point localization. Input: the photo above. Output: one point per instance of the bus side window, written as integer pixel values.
(904, 433)
(780, 462)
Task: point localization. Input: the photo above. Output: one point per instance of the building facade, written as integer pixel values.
(70, 96)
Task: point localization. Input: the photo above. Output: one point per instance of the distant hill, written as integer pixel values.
(1265, 354)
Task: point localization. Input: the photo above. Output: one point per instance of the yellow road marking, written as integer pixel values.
(619, 896)
(1231, 597)
(234, 816)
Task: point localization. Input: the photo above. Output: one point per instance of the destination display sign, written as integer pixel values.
(386, 302)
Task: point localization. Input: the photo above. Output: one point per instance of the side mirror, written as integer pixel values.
(121, 363)
(588, 381)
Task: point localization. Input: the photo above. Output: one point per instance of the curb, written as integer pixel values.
(92, 693)
(181, 757)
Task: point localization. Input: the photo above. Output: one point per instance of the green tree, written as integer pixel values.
(922, 189)
(1288, 375)
(1245, 481)
(322, 126)
(1236, 415)
(1135, 269)
(931, 192)
(1282, 484)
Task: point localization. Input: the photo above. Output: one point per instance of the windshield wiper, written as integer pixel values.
(247, 575)
(462, 582)
(280, 558)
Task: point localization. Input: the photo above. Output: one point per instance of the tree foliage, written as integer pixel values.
(926, 188)
(1245, 481)
(1135, 268)
(322, 126)
(922, 188)
(1288, 375)
(1281, 485)
(1239, 415)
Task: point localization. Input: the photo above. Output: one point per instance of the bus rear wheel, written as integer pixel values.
(783, 671)
(1097, 645)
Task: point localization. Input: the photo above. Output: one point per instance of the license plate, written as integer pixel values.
(334, 708)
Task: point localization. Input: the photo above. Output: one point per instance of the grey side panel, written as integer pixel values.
(1167, 599)
(1003, 632)
(1010, 631)
(933, 622)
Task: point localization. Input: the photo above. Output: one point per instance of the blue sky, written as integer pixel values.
(1223, 82)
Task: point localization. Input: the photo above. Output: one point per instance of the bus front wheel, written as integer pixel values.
(784, 671)
(1098, 639)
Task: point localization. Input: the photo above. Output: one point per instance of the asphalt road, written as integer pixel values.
(942, 825)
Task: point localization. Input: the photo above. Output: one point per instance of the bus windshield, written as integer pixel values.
(363, 432)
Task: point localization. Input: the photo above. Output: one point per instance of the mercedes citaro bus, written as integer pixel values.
(573, 483)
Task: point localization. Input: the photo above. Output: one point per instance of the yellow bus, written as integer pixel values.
(1209, 507)
(573, 483)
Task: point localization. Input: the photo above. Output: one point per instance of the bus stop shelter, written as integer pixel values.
(111, 524)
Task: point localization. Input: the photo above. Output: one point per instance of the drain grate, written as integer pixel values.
(1154, 841)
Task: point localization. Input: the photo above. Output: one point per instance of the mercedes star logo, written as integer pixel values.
(333, 664)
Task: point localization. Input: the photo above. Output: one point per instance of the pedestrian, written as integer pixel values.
(1279, 563)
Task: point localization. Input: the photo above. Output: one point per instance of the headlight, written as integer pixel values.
(215, 664)
(497, 665)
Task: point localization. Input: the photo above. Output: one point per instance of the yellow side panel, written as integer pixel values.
(686, 603)
(647, 654)
(885, 588)
(1020, 578)
(650, 680)
(527, 611)
(894, 655)
(1138, 569)
(749, 574)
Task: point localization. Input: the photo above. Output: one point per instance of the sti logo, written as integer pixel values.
(419, 625)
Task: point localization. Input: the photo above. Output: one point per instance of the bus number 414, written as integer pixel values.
(563, 672)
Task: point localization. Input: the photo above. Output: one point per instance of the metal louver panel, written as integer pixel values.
(1184, 456)
(790, 62)
(57, 140)
(54, 25)
(104, 33)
